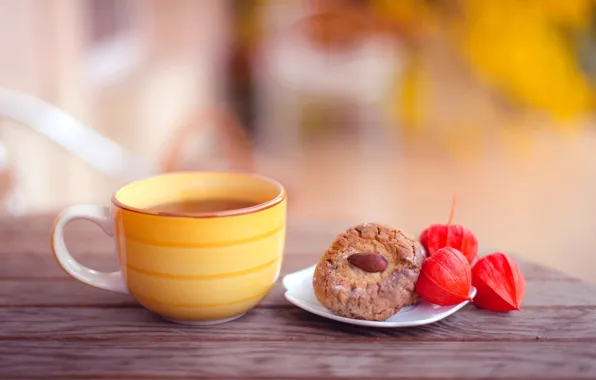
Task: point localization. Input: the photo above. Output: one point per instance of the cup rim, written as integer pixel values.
(213, 214)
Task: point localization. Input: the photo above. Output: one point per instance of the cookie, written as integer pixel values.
(371, 294)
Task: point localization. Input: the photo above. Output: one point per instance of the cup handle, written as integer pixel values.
(101, 216)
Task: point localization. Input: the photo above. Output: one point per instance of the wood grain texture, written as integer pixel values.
(464, 360)
(57, 292)
(292, 325)
(52, 326)
(66, 291)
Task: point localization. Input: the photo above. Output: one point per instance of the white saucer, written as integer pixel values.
(299, 291)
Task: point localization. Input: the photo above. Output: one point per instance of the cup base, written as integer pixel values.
(204, 323)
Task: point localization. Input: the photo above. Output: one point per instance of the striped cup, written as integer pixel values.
(200, 269)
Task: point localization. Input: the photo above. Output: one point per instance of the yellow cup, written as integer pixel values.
(200, 269)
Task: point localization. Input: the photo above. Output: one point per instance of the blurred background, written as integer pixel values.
(368, 110)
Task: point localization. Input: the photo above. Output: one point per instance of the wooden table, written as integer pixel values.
(54, 327)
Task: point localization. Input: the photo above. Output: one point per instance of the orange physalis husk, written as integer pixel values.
(499, 283)
(438, 236)
(445, 278)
